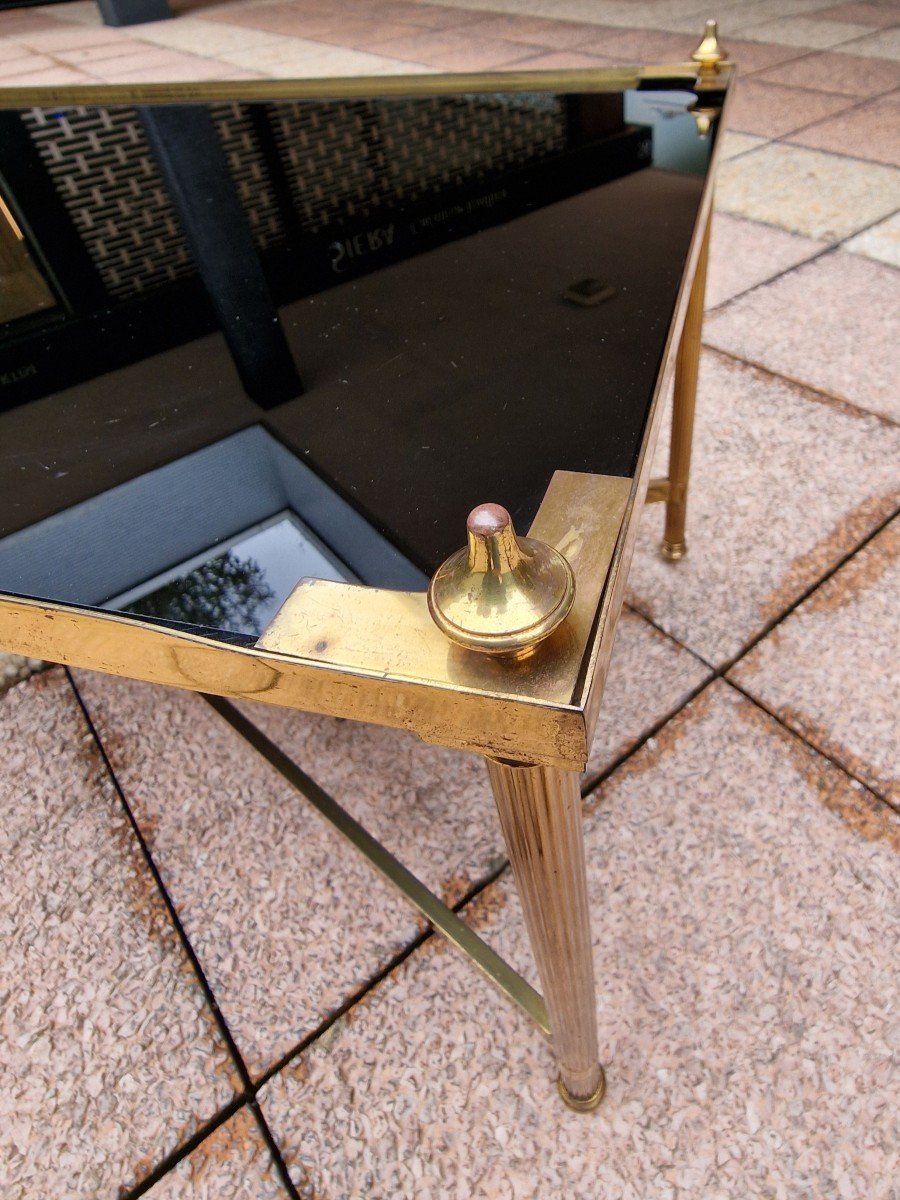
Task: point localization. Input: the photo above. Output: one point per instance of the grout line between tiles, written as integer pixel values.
(772, 278)
(799, 733)
(247, 1088)
(274, 1150)
(721, 671)
(187, 1147)
(813, 394)
(375, 980)
(827, 249)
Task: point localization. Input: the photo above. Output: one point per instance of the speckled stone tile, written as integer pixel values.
(734, 144)
(876, 15)
(453, 50)
(870, 131)
(109, 1056)
(881, 242)
(745, 943)
(744, 254)
(782, 487)
(772, 110)
(831, 669)
(807, 191)
(287, 920)
(804, 31)
(883, 44)
(233, 1163)
(836, 73)
(559, 60)
(649, 677)
(534, 31)
(845, 345)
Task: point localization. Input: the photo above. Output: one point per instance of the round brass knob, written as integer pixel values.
(710, 52)
(500, 594)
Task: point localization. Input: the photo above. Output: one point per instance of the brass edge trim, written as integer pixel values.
(346, 88)
(443, 919)
(435, 710)
(590, 691)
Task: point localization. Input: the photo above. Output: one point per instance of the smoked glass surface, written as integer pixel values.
(273, 339)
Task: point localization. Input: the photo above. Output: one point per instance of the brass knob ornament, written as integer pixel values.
(500, 594)
(710, 53)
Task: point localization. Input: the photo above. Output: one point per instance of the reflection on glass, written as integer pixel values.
(240, 587)
(23, 290)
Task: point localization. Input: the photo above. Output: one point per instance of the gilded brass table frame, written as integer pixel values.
(376, 655)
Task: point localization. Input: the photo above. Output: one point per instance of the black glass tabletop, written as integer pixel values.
(244, 342)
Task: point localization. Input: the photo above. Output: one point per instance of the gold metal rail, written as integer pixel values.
(441, 918)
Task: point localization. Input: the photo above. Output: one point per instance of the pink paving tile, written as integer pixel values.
(89, 54)
(845, 345)
(650, 676)
(882, 44)
(153, 64)
(109, 1056)
(783, 486)
(52, 75)
(846, 701)
(287, 920)
(771, 110)
(805, 30)
(640, 46)
(539, 31)
(870, 131)
(15, 23)
(359, 34)
(13, 50)
(836, 73)
(281, 18)
(25, 65)
(745, 945)
(878, 15)
(821, 195)
(65, 37)
(431, 16)
(744, 254)
(756, 56)
(453, 51)
(233, 1163)
(561, 60)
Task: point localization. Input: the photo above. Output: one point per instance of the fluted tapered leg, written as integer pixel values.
(687, 367)
(540, 814)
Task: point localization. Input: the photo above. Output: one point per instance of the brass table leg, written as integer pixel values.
(540, 814)
(684, 403)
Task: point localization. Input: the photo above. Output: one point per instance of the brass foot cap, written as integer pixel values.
(673, 551)
(589, 1103)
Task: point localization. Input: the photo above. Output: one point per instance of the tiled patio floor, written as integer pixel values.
(179, 932)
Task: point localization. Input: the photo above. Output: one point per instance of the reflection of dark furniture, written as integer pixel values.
(133, 12)
(320, 185)
(488, 308)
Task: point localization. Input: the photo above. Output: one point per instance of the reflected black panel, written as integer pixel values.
(244, 342)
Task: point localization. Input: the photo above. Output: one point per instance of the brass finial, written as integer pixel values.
(710, 52)
(704, 118)
(500, 594)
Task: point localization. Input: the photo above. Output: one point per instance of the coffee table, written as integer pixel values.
(266, 344)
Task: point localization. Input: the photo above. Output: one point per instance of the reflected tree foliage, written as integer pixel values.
(224, 593)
